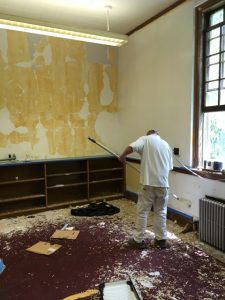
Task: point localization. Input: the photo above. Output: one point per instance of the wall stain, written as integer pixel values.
(52, 95)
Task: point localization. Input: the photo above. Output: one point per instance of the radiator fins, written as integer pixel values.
(212, 223)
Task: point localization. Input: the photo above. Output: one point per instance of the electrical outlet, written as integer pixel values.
(176, 151)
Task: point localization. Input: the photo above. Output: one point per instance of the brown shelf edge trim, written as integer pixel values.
(22, 198)
(66, 185)
(112, 196)
(160, 14)
(24, 211)
(22, 181)
(106, 180)
(67, 203)
(66, 174)
(133, 160)
(106, 170)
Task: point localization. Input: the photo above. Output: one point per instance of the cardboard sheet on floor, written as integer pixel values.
(44, 248)
(65, 234)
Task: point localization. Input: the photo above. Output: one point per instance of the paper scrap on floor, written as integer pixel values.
(44, 248)
(65, 234)
(119, 290)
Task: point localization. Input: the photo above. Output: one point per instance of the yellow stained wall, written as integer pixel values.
(51, 95)
(132, 177)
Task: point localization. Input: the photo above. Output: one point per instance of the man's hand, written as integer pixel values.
(122, 157)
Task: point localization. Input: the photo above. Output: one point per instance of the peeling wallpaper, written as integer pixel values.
(54, 93)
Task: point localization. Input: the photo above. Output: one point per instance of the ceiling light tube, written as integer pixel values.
(72, 33)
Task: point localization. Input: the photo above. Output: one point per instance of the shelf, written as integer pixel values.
(21, 198)
(22, 211)
(106, 170)
(107, 197)
(21, 181)
(58, 183)
(66, 185)
(105, 180)
(66, 203)
(66, 174)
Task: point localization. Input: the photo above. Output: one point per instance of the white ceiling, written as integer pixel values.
(124, 16)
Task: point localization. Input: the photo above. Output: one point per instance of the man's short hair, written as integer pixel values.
(152, 131)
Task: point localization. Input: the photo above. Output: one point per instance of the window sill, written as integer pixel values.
(208, 174)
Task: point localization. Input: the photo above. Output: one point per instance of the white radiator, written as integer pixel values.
(212, 222)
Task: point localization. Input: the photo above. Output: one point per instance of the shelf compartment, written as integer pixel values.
(104, 163)
(21, 172)
(22, 205)
(106, 188)
(65, 180)
(24, 189)
(100, 175)
(64, 167)
(67, 194)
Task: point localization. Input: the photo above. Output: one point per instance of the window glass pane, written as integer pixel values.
(214, 33)
(222, 93)
(212, 72)
(216, 17)
(214, 136)
(223, 38)
(213, 46)
(213, 85)
(222, 68)
(211, 98)
(213, 59)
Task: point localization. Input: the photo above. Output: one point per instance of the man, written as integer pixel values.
(156, 162)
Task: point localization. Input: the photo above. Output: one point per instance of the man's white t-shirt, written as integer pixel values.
(156, 160)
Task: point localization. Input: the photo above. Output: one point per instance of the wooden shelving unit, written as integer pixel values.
(106, 179)
(27, 187)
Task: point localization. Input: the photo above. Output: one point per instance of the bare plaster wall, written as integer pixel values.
(156, 74)
(54, 93)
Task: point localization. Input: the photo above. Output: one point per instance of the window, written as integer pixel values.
(209, 117)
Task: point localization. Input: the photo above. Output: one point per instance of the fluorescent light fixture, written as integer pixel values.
(72, 33)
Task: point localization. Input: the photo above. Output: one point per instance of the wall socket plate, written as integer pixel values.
(176, 151)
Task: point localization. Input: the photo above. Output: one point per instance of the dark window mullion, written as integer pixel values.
(220, 60)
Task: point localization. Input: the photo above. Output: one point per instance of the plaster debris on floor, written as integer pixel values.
(103, 240)
(10, 226)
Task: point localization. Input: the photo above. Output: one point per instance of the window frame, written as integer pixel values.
(201, 17)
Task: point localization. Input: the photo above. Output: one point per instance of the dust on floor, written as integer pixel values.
(127, 213)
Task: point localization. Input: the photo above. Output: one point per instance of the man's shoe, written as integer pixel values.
(161, 244)
(132, 243)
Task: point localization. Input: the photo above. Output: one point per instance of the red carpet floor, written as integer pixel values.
(100, 254)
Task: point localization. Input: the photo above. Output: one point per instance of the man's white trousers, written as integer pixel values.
(158, 197)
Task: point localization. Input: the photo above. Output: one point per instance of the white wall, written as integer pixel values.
(156, 91)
